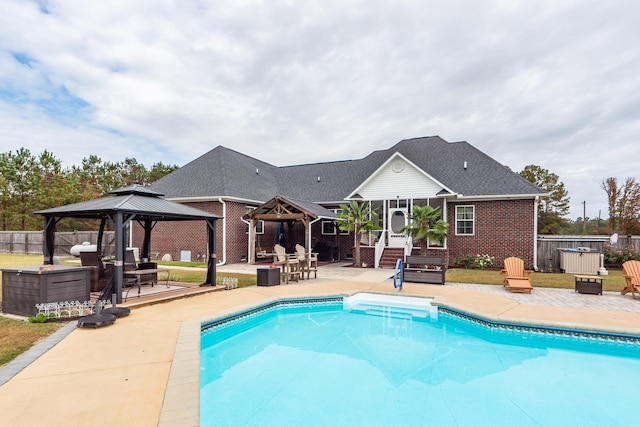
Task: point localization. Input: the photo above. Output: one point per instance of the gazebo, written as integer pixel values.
(125, 205)
(287, 210)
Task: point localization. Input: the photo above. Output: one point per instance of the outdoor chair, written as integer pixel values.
(632, 275)
(100, 276)
(516, 278)
(308, 262)
(289, 264)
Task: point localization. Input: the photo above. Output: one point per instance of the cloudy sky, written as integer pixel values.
(551, 83)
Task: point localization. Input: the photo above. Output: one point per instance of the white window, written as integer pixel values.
(465, 216)
(328, 228)
(259, 225)
(342, 232)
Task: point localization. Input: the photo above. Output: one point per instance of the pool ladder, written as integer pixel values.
(398, 275)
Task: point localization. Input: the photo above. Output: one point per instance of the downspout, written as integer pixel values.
(535, 233)
(310, 228)
(250, 228)
(224, 232)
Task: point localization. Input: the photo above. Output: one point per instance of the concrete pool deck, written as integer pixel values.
(118, 375)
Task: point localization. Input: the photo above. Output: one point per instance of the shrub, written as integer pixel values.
(618, 256)
(484, 261)
(473, 261)
(464, 261)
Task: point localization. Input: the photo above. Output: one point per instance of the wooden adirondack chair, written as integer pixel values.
(308, 262)
(516, 278)
(632, 275)
(289, 264)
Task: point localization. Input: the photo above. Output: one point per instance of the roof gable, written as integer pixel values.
(398, 177)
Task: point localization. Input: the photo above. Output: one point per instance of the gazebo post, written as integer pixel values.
(119, 261)
(146, 244)
(49, 239)
(307, 234)
(213, 259)
(103, 221)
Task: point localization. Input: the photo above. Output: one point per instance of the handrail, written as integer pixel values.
(408, 246)
(398, 271)
(380, 248)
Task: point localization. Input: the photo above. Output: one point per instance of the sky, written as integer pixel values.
(550, 83)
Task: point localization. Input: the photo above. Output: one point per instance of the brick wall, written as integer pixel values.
(502, 229)
(171, 237)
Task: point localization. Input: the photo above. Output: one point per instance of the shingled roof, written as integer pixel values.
(226, 173)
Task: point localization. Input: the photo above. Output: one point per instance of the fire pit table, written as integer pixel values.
(589, 284)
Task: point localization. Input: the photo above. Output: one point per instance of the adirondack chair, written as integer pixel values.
(308, 262)
(632, 275)
(289, 264)
(516, 278)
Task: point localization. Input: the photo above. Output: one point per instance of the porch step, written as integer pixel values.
(390, 256)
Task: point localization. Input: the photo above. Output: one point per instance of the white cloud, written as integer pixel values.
(549, 83)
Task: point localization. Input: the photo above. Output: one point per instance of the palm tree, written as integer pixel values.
(357, 217)
(427, 225)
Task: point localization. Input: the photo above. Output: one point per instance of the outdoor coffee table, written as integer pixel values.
(137, 275)
(589, 284)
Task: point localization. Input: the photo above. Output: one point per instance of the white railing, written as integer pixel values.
(380, 247)
(408, 246)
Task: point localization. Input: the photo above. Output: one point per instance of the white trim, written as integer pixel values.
(393, 157)
(224, 233)
(259, 223)
(215, 199)
(455, 219)
(322, 228)
(535, 234)
(497, 197)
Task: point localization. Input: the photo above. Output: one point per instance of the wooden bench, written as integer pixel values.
(424, 269)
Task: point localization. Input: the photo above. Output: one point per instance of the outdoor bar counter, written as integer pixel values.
(24, 287)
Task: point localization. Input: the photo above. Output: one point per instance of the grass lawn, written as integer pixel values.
(614, 282)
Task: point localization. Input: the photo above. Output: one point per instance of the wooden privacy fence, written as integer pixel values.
(30, 242)
(549, 255)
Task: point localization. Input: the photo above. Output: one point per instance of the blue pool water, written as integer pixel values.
(320, 365)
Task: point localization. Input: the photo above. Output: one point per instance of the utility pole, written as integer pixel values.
(584, 216)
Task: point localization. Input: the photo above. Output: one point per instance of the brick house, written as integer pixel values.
(490, 209)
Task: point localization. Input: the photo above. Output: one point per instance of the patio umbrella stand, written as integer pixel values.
(97, 320)
(116, 311)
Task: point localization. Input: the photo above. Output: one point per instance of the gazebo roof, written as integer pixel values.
(134, 199)
(282, 209)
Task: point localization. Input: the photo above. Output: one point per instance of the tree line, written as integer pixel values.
(30, 183)
(623, 200)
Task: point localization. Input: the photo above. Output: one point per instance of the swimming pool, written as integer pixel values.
(315, 363)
